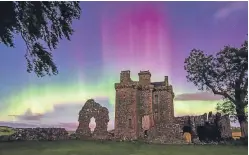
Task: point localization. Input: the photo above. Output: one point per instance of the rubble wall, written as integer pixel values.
(101, 115)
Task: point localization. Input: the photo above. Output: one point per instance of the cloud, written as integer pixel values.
(24, 124)
(230, 9)
(28, 115)
(62, 115)
(70, 126)
(204, 96)
(18, 124)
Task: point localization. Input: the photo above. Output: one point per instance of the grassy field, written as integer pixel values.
(114, 148)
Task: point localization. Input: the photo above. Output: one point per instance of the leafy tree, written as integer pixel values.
(224, 74)
(41, 25)
(229, 108)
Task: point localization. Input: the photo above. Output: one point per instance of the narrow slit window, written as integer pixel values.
(130, 123)
(156, 99)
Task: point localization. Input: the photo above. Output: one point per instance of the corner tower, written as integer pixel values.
(126, 107)
(144, 77)
(163, 107)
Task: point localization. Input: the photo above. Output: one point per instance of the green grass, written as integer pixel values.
(114, 148)
(6, 131)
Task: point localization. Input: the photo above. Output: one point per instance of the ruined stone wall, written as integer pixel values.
(126, 111)
(192, 121)
(225, 127)
(101, 115)
(165, 134)
(221, 123)
(197, 120)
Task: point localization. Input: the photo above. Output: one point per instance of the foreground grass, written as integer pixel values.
(114, 148)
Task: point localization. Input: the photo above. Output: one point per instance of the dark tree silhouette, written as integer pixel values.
(224, 74)
(41, 25)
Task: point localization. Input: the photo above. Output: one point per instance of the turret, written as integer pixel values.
(144, 77)
(125, 76)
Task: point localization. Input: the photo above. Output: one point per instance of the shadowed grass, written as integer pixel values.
(113, 148)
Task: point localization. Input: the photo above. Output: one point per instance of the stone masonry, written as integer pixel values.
(141, 105)
(145, 109)
(89, 110)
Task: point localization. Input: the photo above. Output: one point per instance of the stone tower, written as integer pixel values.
(144, 103)
(141, 105)
(126, 107)
(163, 106)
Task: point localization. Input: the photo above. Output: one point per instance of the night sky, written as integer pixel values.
(115, 36)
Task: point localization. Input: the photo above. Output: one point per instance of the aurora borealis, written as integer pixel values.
(115, 36)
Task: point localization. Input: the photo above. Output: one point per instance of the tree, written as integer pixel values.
(224, 74)
(41, 25)
(229, 108)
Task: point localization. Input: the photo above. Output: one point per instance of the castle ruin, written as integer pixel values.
(141, 105)
(145, 110)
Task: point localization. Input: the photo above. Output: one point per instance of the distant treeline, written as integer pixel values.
(236, 129)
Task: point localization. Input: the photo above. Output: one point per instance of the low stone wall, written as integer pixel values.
(39, 134)
(165, 134)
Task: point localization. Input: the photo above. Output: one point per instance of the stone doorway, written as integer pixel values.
(187, 133)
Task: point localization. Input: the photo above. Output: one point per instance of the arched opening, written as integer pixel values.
(187, 128)
(146, 122)
(92, 124)
(187, 133)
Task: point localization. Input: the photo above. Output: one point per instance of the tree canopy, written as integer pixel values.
(41, 25)
(227, 107)
(225, 74)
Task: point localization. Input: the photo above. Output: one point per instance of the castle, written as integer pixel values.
(145, 110)
(141, 105)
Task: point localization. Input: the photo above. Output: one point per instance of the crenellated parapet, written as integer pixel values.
(133, 85)
(125, 76)
(144, 77)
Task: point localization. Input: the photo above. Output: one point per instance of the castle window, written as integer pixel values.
(156, 99)
(130, 123)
